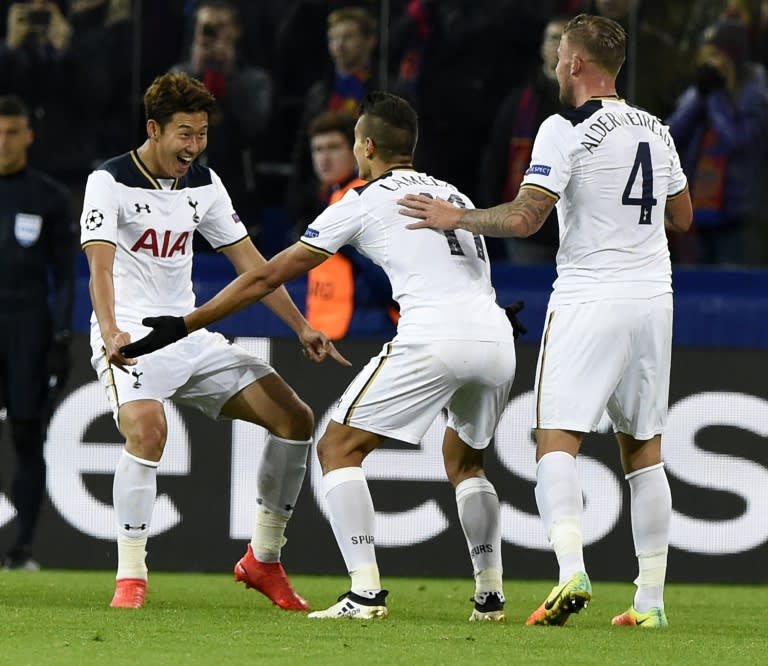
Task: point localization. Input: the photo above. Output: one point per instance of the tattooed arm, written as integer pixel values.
(521, 217)
(678, 213)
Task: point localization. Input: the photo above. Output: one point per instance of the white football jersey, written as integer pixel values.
(441, 280)
(150, 224)
(612, 168)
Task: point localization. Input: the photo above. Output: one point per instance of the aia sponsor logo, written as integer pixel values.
(162, 244)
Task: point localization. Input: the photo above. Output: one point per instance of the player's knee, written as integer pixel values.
(301, 424)
(326, 454)
(459, 470)
(461, 461)
(146, 440)
(340, 447)
(332, 453)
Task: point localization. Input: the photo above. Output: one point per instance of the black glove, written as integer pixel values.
(59, 359)
(518, 328)
(708, 79)
(166, 331)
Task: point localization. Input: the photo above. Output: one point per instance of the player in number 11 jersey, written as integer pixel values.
(454, 349)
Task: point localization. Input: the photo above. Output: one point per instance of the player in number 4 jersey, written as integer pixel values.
(614, 174)
(454, 349)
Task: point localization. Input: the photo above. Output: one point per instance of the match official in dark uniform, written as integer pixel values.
(38, 240)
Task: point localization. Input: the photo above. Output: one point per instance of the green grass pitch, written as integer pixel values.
(62, 617)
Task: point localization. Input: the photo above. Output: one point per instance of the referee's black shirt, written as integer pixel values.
(38, 241)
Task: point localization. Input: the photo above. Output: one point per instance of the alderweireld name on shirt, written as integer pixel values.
(601, 126)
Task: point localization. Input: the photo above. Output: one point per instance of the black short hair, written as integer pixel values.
(176, 92)
(391, 122)
(13, 105)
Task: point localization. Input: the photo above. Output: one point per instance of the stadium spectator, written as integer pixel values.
(615, 176)
(259, 20)
(244, 100)
(508, 152)
(139, 214)
(720, 127)
(37, 242)
(454, 350)
(36, 65)
(351, 38)
(347, 292)
(296, 70)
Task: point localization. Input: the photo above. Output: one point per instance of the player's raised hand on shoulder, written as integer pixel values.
(165, 331)
(432, 213)
(113, 344)
(317, 346)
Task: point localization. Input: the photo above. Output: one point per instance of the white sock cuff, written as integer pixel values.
(488, 580)
(638, 472)
(365, 577)
(141, 461)
(268, 518)
(290, 442)
(555, 453)
(132, 541)
(342, 475)
(472, 485)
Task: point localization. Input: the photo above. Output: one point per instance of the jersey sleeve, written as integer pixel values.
(98, 222)
(221, 225)
(550, 167)
(677, 179)
(336, 226)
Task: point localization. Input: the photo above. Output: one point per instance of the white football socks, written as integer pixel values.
(651, 510)
(558, 496)
(479, 515)
(353, 521)
(133, 491)
(281, 474)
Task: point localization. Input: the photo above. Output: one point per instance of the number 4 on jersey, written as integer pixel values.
(646, 201)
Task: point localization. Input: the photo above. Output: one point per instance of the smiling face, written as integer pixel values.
(176, 145)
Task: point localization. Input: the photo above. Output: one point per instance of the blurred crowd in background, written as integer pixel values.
(479, 72)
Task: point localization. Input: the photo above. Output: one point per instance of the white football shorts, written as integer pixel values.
(609, 356)
(203, 370)
(399, 393)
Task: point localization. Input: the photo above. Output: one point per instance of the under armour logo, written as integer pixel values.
(195, 217)
(142, 207)
(129, 527)
(137, 383)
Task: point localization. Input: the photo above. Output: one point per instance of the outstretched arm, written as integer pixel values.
(251, 286)
(244, 257)
(521, 217)
(254, 284)
(316, 344)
